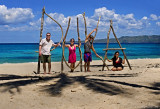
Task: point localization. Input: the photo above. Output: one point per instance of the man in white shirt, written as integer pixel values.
(44, 51)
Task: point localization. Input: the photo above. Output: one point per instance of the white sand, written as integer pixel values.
(138, 88)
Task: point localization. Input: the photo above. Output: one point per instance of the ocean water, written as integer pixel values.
(25, 52)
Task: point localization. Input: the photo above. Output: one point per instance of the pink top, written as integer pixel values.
(72, 55)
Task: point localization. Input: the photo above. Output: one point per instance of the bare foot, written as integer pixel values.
(88, 71)
(49, 72)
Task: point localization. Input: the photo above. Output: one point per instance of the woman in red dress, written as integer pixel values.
(72, 52)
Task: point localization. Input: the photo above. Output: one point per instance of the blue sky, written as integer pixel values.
(20, 19)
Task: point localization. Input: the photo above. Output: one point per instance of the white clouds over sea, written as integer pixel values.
(15, 15)
(23, 19)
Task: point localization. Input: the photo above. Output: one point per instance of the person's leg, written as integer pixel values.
(85, 66)
(44, 67)
(119, 68)
(49, 63)
(88, 66)
(49, 67)
(71, 67)
(43, 60)
(89, 60)
(114, 69)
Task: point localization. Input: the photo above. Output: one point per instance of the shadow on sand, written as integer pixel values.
(97, 85)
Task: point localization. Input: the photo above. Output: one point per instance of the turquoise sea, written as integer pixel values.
(25, 52)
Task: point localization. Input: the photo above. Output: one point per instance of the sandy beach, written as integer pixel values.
(139, 88)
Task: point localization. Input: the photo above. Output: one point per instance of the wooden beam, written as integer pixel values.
(79, 41)
(120, 45)
(106, 50)
(41, 31)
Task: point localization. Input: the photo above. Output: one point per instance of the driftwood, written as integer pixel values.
(79, 41)
(59, 26)
(96, 28)
(85, 23)
(42, 21)
(41, 30)
(63, 57)
(111, 28)
(106, 50)
(63, 46)
(120, 45)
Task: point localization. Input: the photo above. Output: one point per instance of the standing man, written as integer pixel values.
(44, 51)
(87, 51)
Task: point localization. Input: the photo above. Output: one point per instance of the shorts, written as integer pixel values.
(87, 57)
(45, 58)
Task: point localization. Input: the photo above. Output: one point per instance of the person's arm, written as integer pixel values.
(40, 47)
(109, 60)
(67, 45)
(56, 45)
(123, 62)
(94, 51)
(90, 34)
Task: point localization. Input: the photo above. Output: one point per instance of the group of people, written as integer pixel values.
(46, 44)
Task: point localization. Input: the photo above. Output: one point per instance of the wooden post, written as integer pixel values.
(58, 25)
(78, 45)
(85, 24)
(62, 59)
(106, 50)
(63, 45)
(120, 45)
(96, 28)
(42, 21)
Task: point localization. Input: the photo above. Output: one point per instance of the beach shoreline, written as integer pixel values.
(138, 88)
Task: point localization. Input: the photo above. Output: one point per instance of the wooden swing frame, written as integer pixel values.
(111, 28)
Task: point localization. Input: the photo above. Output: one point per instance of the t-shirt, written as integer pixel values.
(46, 46)
(87, 47)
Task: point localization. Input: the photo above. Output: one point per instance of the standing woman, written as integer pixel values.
(117, 62)
(87, 51)
(72, 52)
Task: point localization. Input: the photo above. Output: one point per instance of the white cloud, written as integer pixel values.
(144, 18)
(14, 15)
(154, 17)
(158, 23)
(121, 22)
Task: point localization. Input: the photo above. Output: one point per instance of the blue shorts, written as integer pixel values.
(87, 57)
